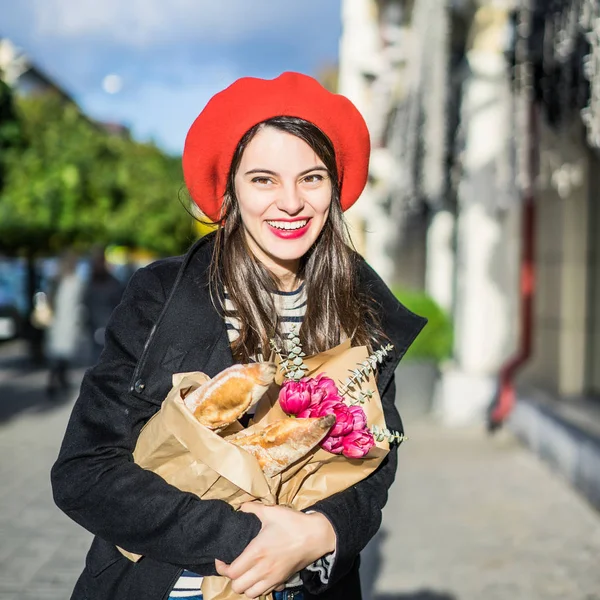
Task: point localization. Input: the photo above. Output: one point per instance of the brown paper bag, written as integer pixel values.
(195, 459)
(188, 455)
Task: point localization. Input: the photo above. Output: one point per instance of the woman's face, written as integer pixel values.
(284, 193)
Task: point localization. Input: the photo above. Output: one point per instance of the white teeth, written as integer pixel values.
(288, 225)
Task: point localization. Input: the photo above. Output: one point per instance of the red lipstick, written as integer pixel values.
(290, 234)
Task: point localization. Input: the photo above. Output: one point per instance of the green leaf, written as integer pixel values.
(435, 342)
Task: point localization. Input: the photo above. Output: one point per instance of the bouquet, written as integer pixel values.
(306, 397)
(318, 428)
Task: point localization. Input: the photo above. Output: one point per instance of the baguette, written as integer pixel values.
(228, 395)
(281, 443)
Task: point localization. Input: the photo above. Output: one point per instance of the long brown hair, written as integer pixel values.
(335, 308)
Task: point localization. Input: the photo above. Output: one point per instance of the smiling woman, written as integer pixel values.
(274, 163)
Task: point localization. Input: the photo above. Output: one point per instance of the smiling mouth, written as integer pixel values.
(287, 225)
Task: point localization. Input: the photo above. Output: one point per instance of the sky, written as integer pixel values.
(153, 64)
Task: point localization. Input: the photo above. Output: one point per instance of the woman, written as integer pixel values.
(275, 162)
(63, 334)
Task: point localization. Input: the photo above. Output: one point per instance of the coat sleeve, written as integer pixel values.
(96, 482)
(355, 513)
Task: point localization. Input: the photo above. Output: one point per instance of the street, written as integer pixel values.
(469, 516)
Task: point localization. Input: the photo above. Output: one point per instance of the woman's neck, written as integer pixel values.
(288, 281)
(284, 271)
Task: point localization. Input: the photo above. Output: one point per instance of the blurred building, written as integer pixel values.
(22, 75)
(558, 408)
(20, 72)
(441, 210)
(379, 73)
(485, 125)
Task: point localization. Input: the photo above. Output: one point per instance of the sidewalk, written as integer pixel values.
(469, 517)
(41, 550)
(14, 360)
(477, 518)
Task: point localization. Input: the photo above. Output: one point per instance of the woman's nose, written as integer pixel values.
(290, 199)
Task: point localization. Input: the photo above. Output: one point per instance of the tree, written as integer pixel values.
(72, 183)
(67, 182)
(10, 128)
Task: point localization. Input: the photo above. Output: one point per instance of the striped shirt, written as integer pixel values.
(291, 308)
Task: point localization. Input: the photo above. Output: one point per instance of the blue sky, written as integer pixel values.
(170, 55)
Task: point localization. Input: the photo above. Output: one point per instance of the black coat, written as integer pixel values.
(166, 323)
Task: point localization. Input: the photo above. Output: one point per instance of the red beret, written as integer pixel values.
(213, 137)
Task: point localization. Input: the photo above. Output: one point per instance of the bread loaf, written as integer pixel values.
(283, 442)
(228, 395)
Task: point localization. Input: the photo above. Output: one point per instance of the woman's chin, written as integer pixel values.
(289, 251)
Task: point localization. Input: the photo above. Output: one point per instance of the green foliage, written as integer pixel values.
(436, 339)
(69, 182)
(10, 127)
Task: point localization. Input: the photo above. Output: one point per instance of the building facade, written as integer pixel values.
(485, 120)
(558, 402)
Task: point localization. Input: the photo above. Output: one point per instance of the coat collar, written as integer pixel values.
(399, 324)
(190, 334)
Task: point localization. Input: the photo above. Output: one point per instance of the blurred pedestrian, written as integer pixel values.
(64, 328)
(102, 294)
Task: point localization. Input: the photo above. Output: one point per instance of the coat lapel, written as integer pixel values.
(400, 324)
(190, 335)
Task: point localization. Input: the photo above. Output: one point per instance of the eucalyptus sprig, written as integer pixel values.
(393, 437)
(292, 364)
(364, 369)
(363, 397)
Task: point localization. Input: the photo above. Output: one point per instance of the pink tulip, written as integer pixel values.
(360, 419)
(294, 397)
(323, 388)
(357, 444)
(333, 444)
(344, 421)
(307, 413)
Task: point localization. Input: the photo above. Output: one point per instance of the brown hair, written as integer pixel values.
(335, 308)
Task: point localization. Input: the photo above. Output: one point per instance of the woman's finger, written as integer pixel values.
(222, 568)
(247, 581)
(261, 588)
(244, 563)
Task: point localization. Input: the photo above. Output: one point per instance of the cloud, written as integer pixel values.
(171, 56)
(79, 42)
(143, 23)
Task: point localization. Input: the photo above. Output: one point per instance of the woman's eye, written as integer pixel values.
(261, 180)
(313, 178)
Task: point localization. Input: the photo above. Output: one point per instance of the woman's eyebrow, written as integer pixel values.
(251, 171)
(317, 168)
(269, 172)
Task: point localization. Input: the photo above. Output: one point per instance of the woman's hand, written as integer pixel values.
(288, 541)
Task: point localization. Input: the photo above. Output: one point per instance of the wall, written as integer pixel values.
(560, 324)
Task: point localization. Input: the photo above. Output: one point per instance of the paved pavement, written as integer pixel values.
(472, 517)
(468, 518)
(41, 550)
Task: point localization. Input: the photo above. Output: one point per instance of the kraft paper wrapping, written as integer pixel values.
(193, 458)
